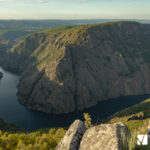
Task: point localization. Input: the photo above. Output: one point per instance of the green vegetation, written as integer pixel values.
(2, 31)
(136, 126)
(16, 138)
(52, 41)
(48, 139)
(66, 28)
(88, 120)
(44, 51)
(125, 141)
(38, 140)
(81, 28)
(10, 36)
(14, 34)
(9, 127)
(60, 29)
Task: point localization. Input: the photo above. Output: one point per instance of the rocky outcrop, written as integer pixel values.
(106, 137)
(73, 137)
(101, 137)
(1, 75)
(72, 68)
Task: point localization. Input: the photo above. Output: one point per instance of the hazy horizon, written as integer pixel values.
(32, 19)
(74, 9)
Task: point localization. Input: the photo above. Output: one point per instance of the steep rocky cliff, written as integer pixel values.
(72, 68)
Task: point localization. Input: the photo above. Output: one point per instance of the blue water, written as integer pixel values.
(13, 112)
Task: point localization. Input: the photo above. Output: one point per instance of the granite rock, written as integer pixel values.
(72, 138)
(105, 137)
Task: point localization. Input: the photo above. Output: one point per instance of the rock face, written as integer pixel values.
(101, 137)
(73, 137)
(105, 137)
(1, 75)
(73, 68)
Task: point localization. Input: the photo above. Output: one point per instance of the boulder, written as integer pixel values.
(72, 138)
(105, 137)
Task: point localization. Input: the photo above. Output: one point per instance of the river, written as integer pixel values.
(13, 112)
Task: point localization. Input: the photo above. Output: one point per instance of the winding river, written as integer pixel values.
(13, 112)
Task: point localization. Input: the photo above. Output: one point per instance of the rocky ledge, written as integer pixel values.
(101, 137)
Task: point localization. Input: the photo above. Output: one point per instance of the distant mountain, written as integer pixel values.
(44, 24)
(10, 36)
(74, 67)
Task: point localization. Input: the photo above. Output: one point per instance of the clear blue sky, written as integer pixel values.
(74, 9)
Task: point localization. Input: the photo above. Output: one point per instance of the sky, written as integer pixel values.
(74, 9)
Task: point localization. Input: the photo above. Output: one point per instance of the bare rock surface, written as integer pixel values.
(105, 137)
(72, 138)
(100, 137)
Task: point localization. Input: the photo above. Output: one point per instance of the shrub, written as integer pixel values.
(37, 140)
(88, 120)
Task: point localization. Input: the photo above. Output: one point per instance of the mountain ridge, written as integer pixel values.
(79, 66)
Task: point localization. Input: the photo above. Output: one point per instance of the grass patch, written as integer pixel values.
(59, 29)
